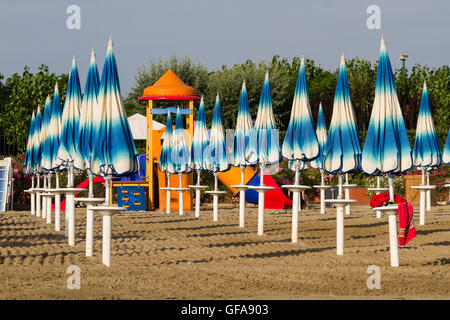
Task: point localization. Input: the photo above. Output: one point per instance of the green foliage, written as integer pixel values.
(20, 95)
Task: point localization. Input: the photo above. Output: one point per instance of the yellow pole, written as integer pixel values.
(149, 155)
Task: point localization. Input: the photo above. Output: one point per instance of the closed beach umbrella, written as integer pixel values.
(427, 152)
(217, 159)
(446, 153)
(386, 148)
(51, 147)
(28, 152)
(300, 144)
(244, 126)
(44, 136)
(321, 133)
(200, 142)
(180, 151)
(264, 141)
(342, 150)
(180, 156)
(36, 144)
(264, 145)
(240, 147)
(165, 163)
(69, 154)
(114, 152)
(88, 106)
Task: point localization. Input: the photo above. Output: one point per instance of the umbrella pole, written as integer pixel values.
(428, 192)
(261, 203)
(168, 194)
(91, 185)
(215, 199)
(57, 204)
(180, 195)
(44, 200)
(423, 176)
(391, 188)
(347, 195)
(340, 187)
(242, 201)
(197, 196)
(49, 199)
(295, 205)
(107, 190)
(322, 193)
(33, 197)
(38, 197)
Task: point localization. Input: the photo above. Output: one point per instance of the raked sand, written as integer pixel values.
(160, 256)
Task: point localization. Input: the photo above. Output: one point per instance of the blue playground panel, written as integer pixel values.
(131, 197)
(140, 175)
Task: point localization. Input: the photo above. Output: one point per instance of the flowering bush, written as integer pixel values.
(441, 177)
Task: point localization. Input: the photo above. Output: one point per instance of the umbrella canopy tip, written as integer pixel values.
(342, 58)
(56, 86)
(243, 85)
(383, 42)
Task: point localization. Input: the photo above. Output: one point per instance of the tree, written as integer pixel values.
(24, 93)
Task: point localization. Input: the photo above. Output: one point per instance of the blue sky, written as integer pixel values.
(218, 33)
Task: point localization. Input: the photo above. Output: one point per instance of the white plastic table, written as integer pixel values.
(70, 211)
(107, 213)
(322, 189)
(392, 212)
(241, 188)
(215, 194)
(295, 189)
(340, 204)
(347, 188)
(32, 193)
(90, 222)
(423, 190)
(261, 190)
(180, 191)
(198, 189)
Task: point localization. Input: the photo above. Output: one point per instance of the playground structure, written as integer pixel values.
(170, 89)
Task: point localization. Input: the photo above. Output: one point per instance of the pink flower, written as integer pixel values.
(21, 157)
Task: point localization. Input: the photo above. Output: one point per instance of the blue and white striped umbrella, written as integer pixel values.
(244, 126)
(427, 150)
(114, 152)
(28, 153)
(264, 141)
(68, 152)
(180, 151)
(321, 133)
(51, 147)
(386, 148)
(446, 153)
(342, 150)
(36, 143)
(200, 140)
(300, 142)
(217, 159)
(45, 126)
(165, 163)
(88, 106)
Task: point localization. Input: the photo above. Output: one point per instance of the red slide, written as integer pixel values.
(84, 184)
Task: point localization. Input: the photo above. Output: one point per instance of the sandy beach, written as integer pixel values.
(160, 256)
